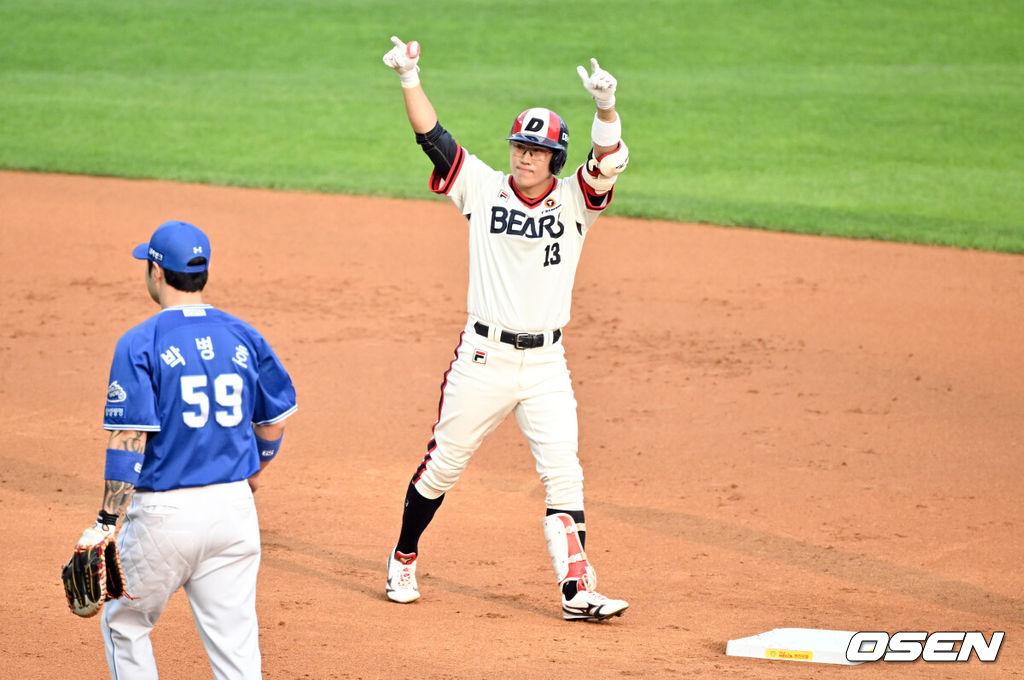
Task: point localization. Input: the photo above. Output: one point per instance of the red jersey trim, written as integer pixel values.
(442, 185)
(531, 202)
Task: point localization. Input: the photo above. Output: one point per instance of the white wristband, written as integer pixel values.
(606, 134)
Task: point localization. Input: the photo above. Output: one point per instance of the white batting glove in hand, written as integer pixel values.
(600, 84)
(403, 57)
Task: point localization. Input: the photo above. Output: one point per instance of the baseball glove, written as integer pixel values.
(93, 575)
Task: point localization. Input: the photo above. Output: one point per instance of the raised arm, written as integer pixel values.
(436, 142)
(610, 154)
(601, 86)
(404, 58)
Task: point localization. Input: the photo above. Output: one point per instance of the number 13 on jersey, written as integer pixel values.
(551, 254)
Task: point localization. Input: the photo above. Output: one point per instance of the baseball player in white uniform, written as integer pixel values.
(526, 233)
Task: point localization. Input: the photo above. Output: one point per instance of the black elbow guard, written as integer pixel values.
(440, 148)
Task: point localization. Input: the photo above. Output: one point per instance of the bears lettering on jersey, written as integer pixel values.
(517, 223)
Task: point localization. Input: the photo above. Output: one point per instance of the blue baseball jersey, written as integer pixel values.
(199, 379)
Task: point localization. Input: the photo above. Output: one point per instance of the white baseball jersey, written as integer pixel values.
(523, 252)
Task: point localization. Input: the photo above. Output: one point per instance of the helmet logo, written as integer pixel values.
(535, 125)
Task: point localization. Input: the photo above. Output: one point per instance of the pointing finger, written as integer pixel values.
(397, 42)
(583, 74)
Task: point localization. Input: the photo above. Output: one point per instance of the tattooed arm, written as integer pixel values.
(116, 493)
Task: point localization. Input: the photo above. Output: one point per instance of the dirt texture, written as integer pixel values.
(776, 431)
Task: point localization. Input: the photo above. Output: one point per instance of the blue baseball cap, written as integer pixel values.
(173, 244)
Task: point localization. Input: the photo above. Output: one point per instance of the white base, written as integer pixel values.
(795, 644)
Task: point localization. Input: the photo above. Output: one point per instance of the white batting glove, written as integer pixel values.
(600, 84)
(403, 57)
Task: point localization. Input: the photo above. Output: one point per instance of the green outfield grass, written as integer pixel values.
(888, 119)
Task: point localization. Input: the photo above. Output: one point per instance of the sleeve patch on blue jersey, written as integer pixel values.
(115, 393)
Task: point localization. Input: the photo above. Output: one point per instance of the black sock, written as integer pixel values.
(577, 516)
(415, 518)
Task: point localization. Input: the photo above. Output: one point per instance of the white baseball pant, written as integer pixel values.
(489, 379)
(207, 541)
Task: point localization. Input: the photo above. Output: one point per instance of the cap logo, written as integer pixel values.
(197, 250)
(155, 255)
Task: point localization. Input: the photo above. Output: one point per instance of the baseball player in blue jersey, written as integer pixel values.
(196, 407)
(526, 232)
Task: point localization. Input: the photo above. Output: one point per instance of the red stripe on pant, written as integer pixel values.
(432, 444)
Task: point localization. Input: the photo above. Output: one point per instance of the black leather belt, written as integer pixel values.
(518, 340)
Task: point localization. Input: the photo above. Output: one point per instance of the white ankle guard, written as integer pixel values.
(567, 555)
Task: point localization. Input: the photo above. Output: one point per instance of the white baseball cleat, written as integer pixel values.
(402, 577)
(591, 606)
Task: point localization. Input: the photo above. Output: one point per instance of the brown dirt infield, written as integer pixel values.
(776, 431)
